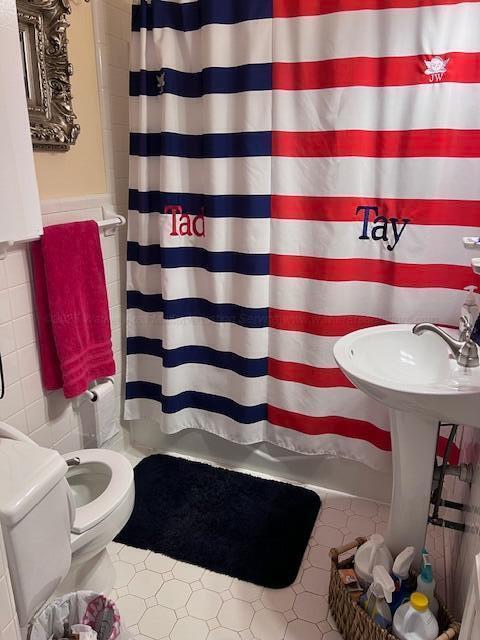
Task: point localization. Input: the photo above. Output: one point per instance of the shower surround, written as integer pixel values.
(298, 170)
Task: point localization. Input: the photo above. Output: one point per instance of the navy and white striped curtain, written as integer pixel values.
(299, 169)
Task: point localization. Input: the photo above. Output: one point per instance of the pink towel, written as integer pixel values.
(72, 307)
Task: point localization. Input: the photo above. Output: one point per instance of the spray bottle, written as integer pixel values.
(400, 575)
(426, 583)
(378, 597)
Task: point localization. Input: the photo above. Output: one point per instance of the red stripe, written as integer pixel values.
(305, 374)
(343, 209)
(454, 457)
(347, 427)
(292, 8)
(319, 325)
(315, 426)
(443, 276)
(373, 72)
(425, 143)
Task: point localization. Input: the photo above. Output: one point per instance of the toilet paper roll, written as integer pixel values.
(98, 415)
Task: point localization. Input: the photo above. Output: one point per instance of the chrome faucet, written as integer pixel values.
(465, 351)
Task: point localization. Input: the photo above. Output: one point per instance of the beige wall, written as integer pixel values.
(81, 170)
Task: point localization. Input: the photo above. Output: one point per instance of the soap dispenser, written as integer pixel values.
(470, 312)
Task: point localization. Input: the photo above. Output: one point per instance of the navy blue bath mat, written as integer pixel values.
(229, 522)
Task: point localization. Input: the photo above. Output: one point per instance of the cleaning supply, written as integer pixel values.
(400, 575)
(426, 582)
(378, 597)
(470, 312)
(370, 554)
(414, 620)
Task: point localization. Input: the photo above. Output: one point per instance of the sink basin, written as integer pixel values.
(412, 373)
(421, 383)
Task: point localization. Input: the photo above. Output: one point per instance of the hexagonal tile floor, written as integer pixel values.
(160, 598)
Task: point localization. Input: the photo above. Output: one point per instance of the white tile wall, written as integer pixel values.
(461, 549)
(8, 620)
(48, 418)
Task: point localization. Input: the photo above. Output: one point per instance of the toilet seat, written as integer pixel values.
(119, 481)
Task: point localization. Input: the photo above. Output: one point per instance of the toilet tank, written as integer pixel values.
(35, 518)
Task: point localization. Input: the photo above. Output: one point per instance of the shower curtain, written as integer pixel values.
(299, 169)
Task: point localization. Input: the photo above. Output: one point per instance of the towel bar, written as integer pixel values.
(108, 225)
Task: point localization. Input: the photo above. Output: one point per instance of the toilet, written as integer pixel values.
(58, 514)
(101, 486)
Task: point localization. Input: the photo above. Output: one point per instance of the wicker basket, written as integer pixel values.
(354, 623)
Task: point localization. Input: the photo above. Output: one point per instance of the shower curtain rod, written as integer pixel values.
(108, 225)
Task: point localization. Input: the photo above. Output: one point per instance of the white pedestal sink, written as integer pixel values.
(416, 377)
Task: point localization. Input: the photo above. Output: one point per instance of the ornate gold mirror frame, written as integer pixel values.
(43, 40)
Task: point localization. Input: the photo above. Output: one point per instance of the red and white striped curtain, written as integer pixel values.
(300, 169)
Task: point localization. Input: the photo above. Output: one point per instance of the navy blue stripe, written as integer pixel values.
(194, 15)
(249, 77)
(213, 206)
(248, 367)
(198, 307)
(210, 145)
(252, 264)
(197, 400)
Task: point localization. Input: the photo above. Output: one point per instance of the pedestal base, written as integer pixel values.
(414, 443)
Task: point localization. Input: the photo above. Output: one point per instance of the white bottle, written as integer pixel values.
(470, 311)
(414, 620)
(372, 553)
(378, 597)
(426, 583)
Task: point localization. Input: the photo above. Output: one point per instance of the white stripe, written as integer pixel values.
(394, 304)
(223, 336)
(394, 32)
(231, 45)
(212, 176)
(141, 408)
(291, 346)
(212, 113)
(430, 106)
(339, 401)
(425, 244)
(191, 282)
(244, 235)
(327, 444)
(430, 178)
(198, 377)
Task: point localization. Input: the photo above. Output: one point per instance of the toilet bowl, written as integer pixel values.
(102, 494)
(95, 500)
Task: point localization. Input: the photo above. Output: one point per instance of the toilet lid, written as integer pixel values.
(121, 480)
